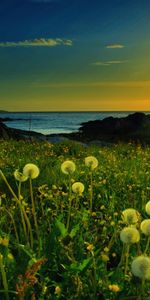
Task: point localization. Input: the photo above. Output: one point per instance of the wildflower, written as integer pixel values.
(91, 161)
(90, 247)
(106, 249)
(130, 216)
(31, 171)
(145, 227)
(20, 176)
(114, 288)
(114, 254)
(129, 235)
(112, 223)
(94, 214)
(57, 290)
(78, 188)
(115, 214)
(104, 181)
(68, 167)
(102, 207)
(4, 241)
(147, 207)
(104, 257)
(140, 267)
(10, 257)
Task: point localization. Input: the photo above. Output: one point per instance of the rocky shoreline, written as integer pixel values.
(133, 128)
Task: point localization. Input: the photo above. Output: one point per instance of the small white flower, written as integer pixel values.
(31, 171)
(145, 227)
(68, 167)
(129, 235)
(20, 176)
(140, 267)
(78, 188)
(91, 161)
(130, 216)
(147, 208)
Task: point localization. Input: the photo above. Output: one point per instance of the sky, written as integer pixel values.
(75, 55)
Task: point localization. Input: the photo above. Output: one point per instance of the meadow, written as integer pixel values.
(74, 221)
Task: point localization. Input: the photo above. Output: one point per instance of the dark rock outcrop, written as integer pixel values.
(135, 127)
(18, 134)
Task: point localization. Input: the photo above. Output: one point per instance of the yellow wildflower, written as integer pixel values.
(114, 288)
(57, 290)
(104, 257)
(90, 247)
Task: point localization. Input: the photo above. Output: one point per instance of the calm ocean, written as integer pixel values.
(55, 122)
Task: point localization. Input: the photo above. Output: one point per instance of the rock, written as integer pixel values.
(18, 134)
(135, 127)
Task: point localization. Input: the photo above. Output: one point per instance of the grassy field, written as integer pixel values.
(64, 229)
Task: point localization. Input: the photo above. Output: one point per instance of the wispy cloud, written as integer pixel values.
(122, 84)
(108, 63)
(42, 42)
(115, 46)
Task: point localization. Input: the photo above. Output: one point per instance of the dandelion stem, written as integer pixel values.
(91, 191)
(28, 225)
(122, 256)
(34, 213)
(142, 287)
(147, 245)
(94, 275)
(127, 257)
(4, 278)
(70, 204)
(21, 212)
(9, 187)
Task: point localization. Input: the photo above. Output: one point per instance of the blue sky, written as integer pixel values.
(74, 55)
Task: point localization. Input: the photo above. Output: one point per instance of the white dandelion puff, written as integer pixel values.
(140, 267)
(129, 235)
(78, 188)
(68, 167)
(130, 216)
(91, 161)
(145, 227)
(31, 171)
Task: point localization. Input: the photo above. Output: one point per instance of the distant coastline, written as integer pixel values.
(133, 127)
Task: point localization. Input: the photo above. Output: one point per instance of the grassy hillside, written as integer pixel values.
(58, 241)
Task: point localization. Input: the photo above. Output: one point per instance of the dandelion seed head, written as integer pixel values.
(91, 161)
(20, 176)
(140, 267)
(147, 208)
(68, 167)
(129, 235)
(31, 171)
(145, 227)
(130, 216)
(78, 188)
